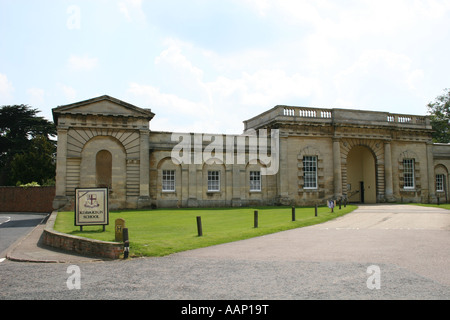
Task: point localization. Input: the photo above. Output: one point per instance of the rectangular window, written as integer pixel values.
(255, 181)
(440, 183)
(310, 172)
(213, 180)
(168, 180)
(408, 173)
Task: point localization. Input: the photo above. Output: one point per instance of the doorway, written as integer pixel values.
(361, 175)
(103, 169)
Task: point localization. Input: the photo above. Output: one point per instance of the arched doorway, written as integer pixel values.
(103, 169)
(361, 175)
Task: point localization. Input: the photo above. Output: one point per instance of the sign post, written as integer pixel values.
(91, 207)
(331, 204)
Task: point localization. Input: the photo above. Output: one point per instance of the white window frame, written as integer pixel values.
(255, 181)
(408, 174)
(440, 178)
(168, 181)
(310, 172)
(213, 181)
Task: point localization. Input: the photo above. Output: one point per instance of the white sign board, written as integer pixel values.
(91, 206)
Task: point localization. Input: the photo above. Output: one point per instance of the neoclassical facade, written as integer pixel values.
(321, 154)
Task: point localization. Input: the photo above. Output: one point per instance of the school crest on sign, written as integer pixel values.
(91, 206)
(91, 201)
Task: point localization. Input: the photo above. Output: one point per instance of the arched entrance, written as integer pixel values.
(104, 164)
(103, 170)
(361, 175)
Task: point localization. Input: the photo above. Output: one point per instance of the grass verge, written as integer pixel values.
(442, 206)
(162, 232)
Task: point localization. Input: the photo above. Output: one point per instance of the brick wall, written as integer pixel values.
(80, 245)
(26, 199)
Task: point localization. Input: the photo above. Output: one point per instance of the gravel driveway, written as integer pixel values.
(408, 245)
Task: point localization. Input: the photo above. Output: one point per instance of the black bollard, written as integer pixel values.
(293, 213)
(315, 210)
(199, 226)
(126, 243)
(255, 219)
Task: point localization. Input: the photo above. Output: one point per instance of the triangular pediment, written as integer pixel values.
(104, 106)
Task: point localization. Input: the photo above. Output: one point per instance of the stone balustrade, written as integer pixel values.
(345, 116)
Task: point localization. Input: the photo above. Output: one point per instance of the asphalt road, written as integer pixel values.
(13, 226)
(377, 252)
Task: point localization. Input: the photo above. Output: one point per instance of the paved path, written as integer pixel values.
(413, 237)
(15, 226)
(409, 244)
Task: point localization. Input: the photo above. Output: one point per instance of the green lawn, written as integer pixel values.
(161, 232)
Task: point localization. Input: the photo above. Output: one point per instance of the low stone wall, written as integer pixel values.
(79, 245)
(27, 199)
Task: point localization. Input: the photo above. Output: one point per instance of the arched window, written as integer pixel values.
(103, 169)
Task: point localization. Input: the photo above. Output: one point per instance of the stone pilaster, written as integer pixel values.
(144, 184)
(430, 173)
(61, 199)
(337, 173)
(389, 190)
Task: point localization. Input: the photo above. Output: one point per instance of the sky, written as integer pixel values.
(208, 65)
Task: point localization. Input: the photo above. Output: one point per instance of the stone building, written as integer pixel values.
(321, 154)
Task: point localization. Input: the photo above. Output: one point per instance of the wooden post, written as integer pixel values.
(315, 210)
(255, 219)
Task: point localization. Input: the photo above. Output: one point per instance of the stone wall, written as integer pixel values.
(105, 141)
(26, 199)
(191, 180)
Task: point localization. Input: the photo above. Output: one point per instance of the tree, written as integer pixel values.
(22, 133)
(36, 164)
(440, 117)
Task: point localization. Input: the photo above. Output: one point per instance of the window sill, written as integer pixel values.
(168, 193)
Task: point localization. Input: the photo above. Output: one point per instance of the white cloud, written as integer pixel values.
(352, 18)
(358, 54)
(6, 88)
(173, 56)
(364, 53)
(79, 63)
(223, 102)
(377, 73)
(173, 112)
(69, 92)
(168, 102)
(36, 96)
(264, 88)
(132, 10)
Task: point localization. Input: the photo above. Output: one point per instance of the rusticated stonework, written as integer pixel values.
(354, 155)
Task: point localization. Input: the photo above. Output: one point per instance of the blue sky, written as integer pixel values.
(206, 66)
